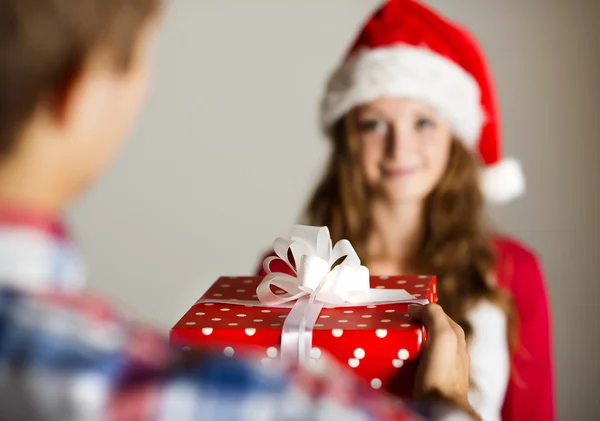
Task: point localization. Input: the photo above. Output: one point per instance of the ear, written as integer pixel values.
(84, 92)
(64, 100)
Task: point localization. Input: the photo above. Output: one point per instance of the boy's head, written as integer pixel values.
(72, 77)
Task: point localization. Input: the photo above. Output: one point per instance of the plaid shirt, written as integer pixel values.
(66, 355)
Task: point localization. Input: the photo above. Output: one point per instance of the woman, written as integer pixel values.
(412, 117)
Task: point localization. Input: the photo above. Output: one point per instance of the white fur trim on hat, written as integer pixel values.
(410, 72)
(503, 181)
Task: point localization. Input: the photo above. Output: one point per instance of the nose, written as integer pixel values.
(401, 141)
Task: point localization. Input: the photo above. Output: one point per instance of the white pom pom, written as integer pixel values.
(503, 181)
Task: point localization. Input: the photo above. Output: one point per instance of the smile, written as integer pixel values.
(399, 172)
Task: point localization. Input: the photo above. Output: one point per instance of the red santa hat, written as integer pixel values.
(407, 50)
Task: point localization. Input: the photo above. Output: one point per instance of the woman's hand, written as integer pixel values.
(443, 372)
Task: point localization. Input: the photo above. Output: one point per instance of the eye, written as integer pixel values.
(371, 126)
(425, 123)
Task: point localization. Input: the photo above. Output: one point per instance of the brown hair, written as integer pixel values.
(456, 245)
(43, 43)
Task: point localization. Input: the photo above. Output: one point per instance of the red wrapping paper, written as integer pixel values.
(375, 341)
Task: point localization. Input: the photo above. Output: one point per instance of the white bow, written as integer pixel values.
(311, 247)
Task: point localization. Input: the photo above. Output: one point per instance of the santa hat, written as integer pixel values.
(407, 50)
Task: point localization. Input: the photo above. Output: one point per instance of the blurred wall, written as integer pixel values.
(228, 149)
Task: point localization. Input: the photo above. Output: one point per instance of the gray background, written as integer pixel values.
(228, 149)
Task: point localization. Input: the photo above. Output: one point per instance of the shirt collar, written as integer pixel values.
(23, 217)
(36, 252)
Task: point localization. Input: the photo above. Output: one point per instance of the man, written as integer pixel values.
(72, 78)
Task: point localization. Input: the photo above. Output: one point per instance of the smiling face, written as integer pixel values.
(404, 147)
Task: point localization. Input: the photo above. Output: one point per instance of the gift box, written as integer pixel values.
(374, 340)
(322, 309)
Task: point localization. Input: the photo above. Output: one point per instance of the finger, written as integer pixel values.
(433, 318)
(459, 331)
(414, 311)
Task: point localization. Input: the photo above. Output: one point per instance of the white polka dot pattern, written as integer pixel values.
(372, 340)
(329, 318)
(359, 353)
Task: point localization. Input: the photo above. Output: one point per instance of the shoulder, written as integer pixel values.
(519, 271)
(509, 247)
(516, 262)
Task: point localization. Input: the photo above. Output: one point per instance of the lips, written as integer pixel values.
(399, 172)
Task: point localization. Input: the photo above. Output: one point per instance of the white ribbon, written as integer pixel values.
(317, 284)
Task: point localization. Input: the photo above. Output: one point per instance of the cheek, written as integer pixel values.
(123, 99)
(372, 153)
(131, 93)
(438, 153)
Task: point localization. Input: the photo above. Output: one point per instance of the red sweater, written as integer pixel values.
(530, 393)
